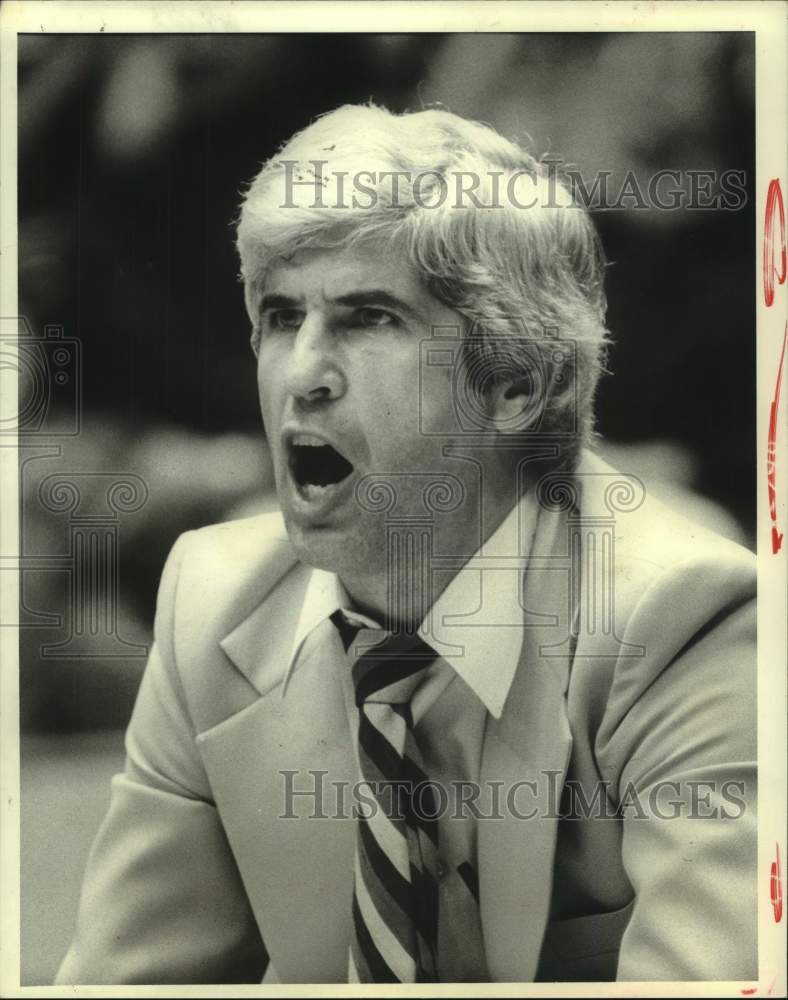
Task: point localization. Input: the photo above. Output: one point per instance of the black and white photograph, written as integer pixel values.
(394, 487)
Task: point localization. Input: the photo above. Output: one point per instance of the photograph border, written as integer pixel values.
(768, 21)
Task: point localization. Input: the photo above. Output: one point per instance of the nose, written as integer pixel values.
(313, 374)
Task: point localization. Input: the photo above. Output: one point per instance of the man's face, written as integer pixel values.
(339, 381)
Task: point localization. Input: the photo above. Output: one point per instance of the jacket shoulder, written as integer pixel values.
(226, 570)
(225, 559)
(681, 600)
(215, 579)
(652, 538)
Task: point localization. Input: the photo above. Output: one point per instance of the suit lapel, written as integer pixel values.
(298, 872)
(530, 742)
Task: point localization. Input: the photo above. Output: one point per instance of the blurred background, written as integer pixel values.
(133, 151)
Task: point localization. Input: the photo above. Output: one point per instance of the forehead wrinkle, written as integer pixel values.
(340, 276)
(298, 279)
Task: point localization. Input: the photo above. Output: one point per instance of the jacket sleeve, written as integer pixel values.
(680, 738)
(162, 901)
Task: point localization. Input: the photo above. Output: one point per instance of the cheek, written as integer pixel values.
(269, 382)
(408, 422)
(393, 399)
(437, 402)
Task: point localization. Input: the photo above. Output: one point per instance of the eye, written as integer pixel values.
(285, 319)
(369, 316)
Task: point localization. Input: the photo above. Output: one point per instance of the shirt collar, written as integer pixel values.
(476, 624)
(323, 596)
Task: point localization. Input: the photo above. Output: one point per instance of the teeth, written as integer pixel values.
(312, 491)
(308, 441)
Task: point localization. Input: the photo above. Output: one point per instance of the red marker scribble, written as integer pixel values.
(771, 454)
(749, 991)
(774, 207)
(776, 887)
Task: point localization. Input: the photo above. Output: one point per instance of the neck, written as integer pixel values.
(403, 585)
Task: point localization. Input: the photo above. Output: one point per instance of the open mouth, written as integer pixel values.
(313, 463)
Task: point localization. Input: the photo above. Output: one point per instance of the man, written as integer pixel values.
(475, 708)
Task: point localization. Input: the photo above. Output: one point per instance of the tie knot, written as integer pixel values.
(391, 671)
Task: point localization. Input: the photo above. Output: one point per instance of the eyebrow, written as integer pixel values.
(366, 297)
(378, 297)
(277, 302)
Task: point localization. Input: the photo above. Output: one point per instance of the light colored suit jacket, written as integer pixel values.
(193, 878)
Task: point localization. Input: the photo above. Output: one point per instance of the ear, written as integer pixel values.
(254, 341)
(513, 405)
(252, 298)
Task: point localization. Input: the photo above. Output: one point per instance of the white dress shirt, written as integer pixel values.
(476, 625)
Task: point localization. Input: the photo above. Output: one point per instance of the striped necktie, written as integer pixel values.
(395, 894)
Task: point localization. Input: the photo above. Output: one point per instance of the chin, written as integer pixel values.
(336, 548)
(318, 545)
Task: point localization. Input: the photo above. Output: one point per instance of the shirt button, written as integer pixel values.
(441, 869)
